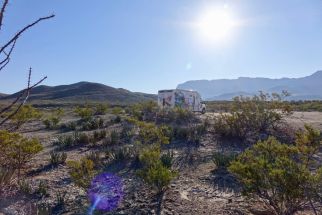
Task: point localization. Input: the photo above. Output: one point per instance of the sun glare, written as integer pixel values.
(215, 25)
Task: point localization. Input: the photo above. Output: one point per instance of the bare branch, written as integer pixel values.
(6, 60)
(3, 8)
(12, 42)
(5, 53)
(17, 35)
(24, 92)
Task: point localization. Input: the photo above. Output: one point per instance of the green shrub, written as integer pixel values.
(223, 160)
(85, 113)
(82, 172)
(158, 176)
(117, 110)
(25, 114)
(96, 158)
(92, 123)
(192, 133)
(52, 121)
(281, 176)
(153, 171)
(251, 118)
(150, 156)
(183, 115)
(101, 109)
(17, 150)
(74, 139)
(149, 133)
(177, 116)
(57, 158)
(65, 141)
(145, 111)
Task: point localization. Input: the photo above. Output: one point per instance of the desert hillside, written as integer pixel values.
(83, 91)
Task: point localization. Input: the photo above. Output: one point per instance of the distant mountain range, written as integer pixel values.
(83, 92)
(306, 88)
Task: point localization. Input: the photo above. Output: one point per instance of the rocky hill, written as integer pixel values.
(84, 91)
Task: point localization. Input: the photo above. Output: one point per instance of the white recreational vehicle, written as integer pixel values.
(186, 99)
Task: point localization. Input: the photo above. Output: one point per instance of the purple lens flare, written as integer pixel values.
(106, 192)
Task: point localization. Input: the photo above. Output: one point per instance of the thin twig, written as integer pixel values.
(3, 8)
(17, 35)
(25, 91)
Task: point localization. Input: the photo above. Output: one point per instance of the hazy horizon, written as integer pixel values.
(144, 46)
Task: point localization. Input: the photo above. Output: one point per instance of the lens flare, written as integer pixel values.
(106, 192)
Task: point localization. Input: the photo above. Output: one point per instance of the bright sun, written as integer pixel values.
(215, 25)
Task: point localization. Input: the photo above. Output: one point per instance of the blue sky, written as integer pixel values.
(145, 45)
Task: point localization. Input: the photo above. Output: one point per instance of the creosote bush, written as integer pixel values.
(155, 171)
(252, 118)
(149, 133)
(101, 109)
(54, 118)
(191, 133)
(176, 115)
(25, 114)
(17, 150)
(85, 113)
(117, 110)
(82, 172)
(145, 111)
(284, 177)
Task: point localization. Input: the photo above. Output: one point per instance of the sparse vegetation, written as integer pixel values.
(57, 158)
(17, 150)
(223, 159)
(153, 171)
(281, 175)
(6, 176)
(252, 118)
(82, 172)
(101, 109)
(55, 117)
(42, 189)
(85, 113)
(92, 123)
(25, 114)
(24, 186)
